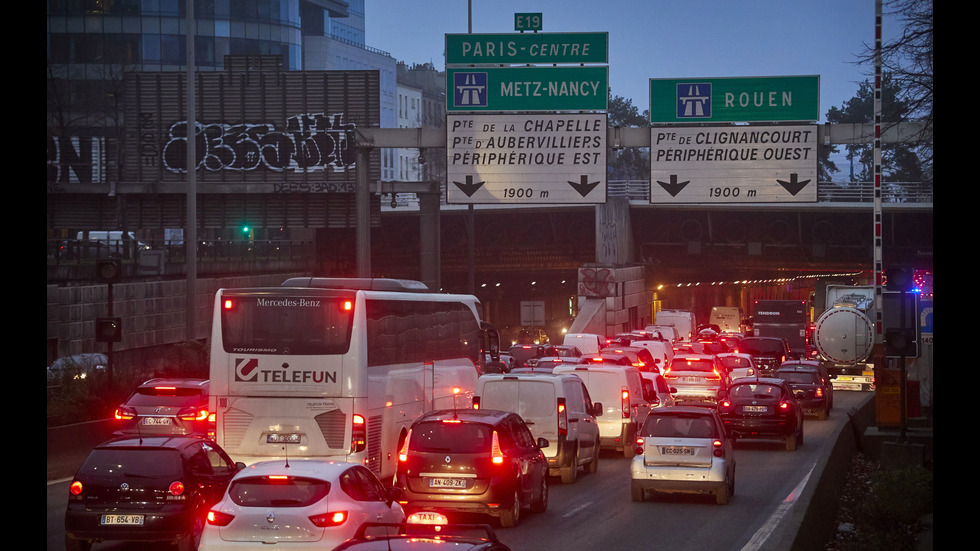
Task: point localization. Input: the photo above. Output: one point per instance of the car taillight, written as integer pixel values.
(784, 406)
(718, 450)
(626, 404)
(476, 402)
(725, 405)
(124, 413)
(667, 374)
(193, 414)
(358, 434)
(217, 518)
(496, 454)
(562, 417)
(403, 453)
(75, 488)
(819, 392)
(176, 488)
(639, 445)
(326, 520)
(715, 376)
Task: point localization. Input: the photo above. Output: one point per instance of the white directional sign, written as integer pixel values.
(733, 164)
(526, 159)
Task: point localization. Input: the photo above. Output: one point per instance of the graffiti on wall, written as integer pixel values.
(75, 160)
(311, 142)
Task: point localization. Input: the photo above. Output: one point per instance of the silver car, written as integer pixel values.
(697, 378)
(683, 450)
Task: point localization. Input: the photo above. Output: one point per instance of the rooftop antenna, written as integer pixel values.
(285, 450)
(455, 393)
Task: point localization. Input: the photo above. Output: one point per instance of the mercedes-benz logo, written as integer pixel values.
(271, 517)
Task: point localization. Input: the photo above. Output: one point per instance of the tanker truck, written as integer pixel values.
(843, 336)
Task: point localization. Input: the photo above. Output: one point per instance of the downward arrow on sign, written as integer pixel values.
(583, 186)
(469, 188)
(793, 186)
(674, 187)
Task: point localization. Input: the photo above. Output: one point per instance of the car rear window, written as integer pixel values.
(128, 462)
(179, 397)
(440, 437)
(692, 364)
(797, 377)
(761, 347)
(285, 491)
(684, 425)
(525, 398)
(756, 390)
(735, 362)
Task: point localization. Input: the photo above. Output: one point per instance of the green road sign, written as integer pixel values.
(470, 49)
(735, 99)
(527, 88)
(527, 21)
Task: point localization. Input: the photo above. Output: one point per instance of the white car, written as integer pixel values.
(739, 365)
(683, 450)
(305, 504)
(662, 397)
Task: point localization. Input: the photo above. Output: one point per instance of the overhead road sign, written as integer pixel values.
(527, 88)
(526, 159)
(733, 164)
(735, 99)
(476, 49)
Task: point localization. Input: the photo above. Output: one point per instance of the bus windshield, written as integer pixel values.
(288, 325)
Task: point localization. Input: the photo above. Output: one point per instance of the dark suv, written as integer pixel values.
(155, 488)
(475, 461)
(166, 406)
(766, 352)
(814, 392)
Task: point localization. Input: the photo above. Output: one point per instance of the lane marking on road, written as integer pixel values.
(577, 509)
(760, 537)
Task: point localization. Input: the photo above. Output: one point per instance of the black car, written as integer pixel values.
(767, 352)
(475, 461)
(155, 488)
(762, 407)
(812, 390)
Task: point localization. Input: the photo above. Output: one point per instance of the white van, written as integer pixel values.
(588, 343)
(666, 331)
(681, 320)
(727, 318)
(555, 407)
(662, 352)
(620, 391)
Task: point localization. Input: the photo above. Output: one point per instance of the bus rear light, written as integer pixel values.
(358, 434)
(348, 305)
(228, 304)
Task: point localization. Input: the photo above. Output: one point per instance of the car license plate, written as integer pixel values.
(156, 420)
(447, 482)
(754, 409)
(123, 520)
(676, 450)
(691, 379)
(277, 438)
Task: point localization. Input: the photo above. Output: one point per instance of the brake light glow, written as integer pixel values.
(639, 445)
(348, 305)
(403, 453)
(326, 520)
(124, 414)
(358, 434)
(228, 304)
(819, 392)
(194, 414)
(715, 376)
(718, 451)
(784, 406)
(562, 417)
(75, 488)
(217, 518)
(496, 454)
(626, 404)
(176, 488)
(476, 402)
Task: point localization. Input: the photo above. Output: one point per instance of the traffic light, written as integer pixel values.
(900, 320)
(898, 278)
(901, 342)
(108, 329)
(108, 270)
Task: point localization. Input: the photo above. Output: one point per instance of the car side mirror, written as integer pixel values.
(596, 409)
(394, 494)
(542, 442)
(239, 465)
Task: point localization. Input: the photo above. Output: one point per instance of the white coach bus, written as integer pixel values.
(339, 368)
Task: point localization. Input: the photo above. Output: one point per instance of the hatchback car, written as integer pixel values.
(764, 408)
(411, 536)
(166, 406)
(697, 378)
(683, 450)
(306, 504)
(156, 488)
(811, 390)
(767, 352)
(475, 461)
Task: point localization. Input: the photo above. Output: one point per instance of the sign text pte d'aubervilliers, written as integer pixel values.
(512, 158)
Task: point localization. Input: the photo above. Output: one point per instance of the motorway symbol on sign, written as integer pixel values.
(527, 88)
(735, 99)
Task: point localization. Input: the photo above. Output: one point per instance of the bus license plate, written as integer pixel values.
(277, 438)
(156, 420)
(447, 482)
(127, 520)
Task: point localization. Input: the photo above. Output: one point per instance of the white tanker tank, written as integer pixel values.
(844, 335)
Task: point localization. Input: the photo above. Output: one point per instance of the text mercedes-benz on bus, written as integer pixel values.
(339, 368)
